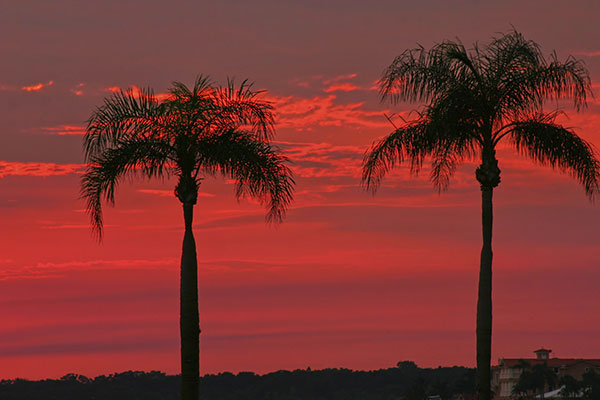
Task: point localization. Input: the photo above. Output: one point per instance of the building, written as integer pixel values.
(506, 374)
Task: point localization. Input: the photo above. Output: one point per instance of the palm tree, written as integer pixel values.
(191, 134)
(475, 99)
(590, 384)
(545, 376)
(571, 387)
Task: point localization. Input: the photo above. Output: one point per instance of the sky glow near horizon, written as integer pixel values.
(349, 279)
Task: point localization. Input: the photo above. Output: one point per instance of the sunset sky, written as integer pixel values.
(349, 279)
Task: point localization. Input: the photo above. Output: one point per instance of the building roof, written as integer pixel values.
(543, 350)
(551, 362)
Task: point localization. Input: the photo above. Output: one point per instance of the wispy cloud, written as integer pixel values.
(65, 130)
(340, 78)
(341, 87)
(16, 168)
(588, 53)
(317, 160)
(78, 89)
(51, 269)
(37, 87)
(318, 81)
(322, 111)
(66, 226)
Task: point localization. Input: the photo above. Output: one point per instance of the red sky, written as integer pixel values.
(349, 280)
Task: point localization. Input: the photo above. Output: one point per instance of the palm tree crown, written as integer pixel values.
(475, 99)
(191, 134)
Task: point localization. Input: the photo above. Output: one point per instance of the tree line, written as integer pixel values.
(405, 382)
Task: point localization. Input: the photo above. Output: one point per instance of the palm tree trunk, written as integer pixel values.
(189, 323)
(488, 175)
(484, 299)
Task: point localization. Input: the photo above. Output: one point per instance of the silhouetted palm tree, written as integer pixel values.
(571, 387)
(543, 376)
(525, 386)
(590, 383)
(475, 99)
(194, 132)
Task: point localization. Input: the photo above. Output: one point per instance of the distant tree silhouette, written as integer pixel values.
(525, 385)
(407, 365)
(474, 99)
(192, 133)
(590, 384)
(538, 378)
(571, 387)
(329, 384)
(545, 377)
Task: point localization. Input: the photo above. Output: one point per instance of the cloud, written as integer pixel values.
(341, 87)
(319, 80)
(37, 87)
(588, 53)
(324, 111)
(339, 78)
(77, 90)
(15, 168)
(66, 226)
(337, 84)
(4, 87)
(52, 269)
(66, 130)
(306, 82)
(313, 160)
(375, 86)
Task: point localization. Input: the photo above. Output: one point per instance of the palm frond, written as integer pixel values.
(565, 80)
(209, 109)
(510, 52)
(549, 143)
(203, 87)
(447, 131)
(522, 79)
(242, 106)
(147, 157)
(464, 66)
(195, 103)
(385, 154)
(125, 114)
(257, 166)
(444, 162)
(413, 76)
(420, 75)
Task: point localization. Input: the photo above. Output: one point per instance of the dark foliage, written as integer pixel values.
(407, 381)
(538, 379)
(534, 379)
(590, 383)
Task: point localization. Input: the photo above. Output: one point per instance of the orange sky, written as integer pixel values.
(349, 280)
